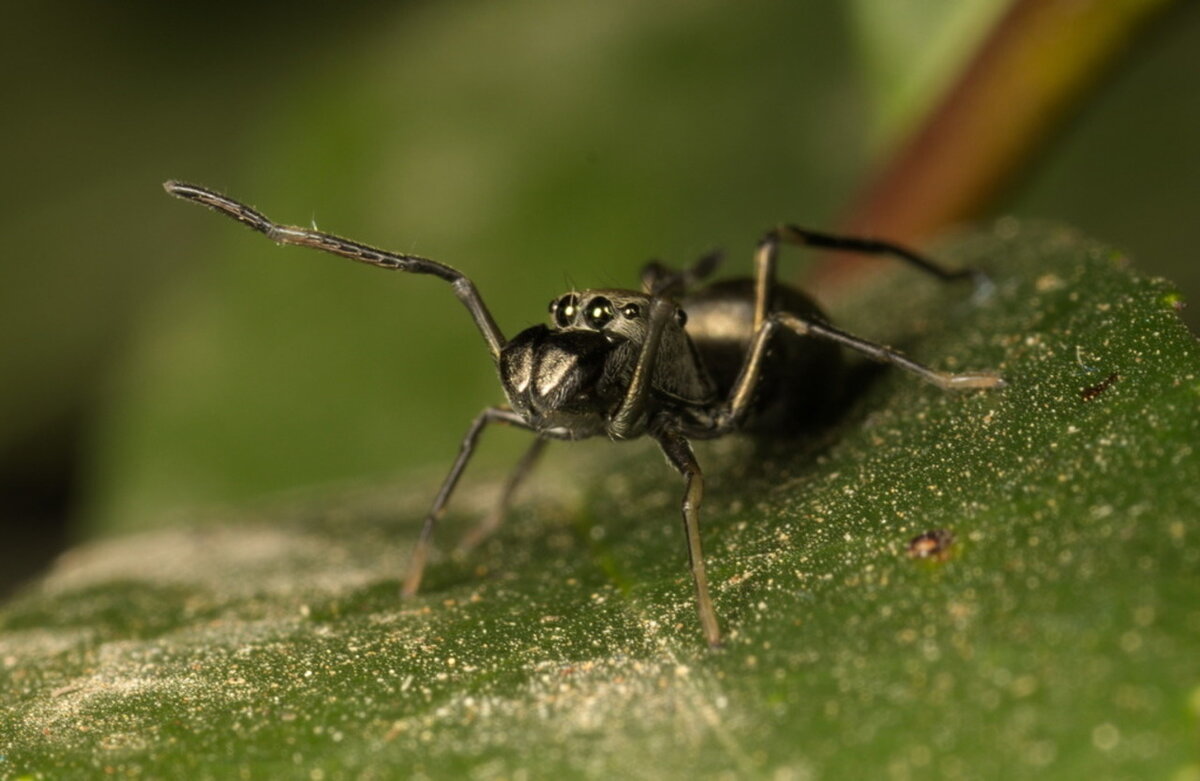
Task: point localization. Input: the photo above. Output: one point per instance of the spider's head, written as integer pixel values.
(620, 315)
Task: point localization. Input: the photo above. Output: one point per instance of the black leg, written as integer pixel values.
(796, 235)
(491, 522)
(659, 280)
(346, 248)
(765, 322)
(740, 398)
(416, 566)
(679, 453)
(885, 354)
(765, 261)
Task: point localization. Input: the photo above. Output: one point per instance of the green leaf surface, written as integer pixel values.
(1057, 635)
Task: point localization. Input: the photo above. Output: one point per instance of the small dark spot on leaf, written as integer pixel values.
(933, 544)
(1092, 391)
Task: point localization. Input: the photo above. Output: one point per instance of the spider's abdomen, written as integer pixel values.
(801, 375)
(553, 380)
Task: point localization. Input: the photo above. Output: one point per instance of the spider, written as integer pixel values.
(673, 361)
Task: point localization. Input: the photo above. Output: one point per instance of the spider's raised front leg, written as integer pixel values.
(463, 288)
(347, 248)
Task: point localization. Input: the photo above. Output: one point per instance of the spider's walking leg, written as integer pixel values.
(885, 354)
(493, 519)
(416, 566)
(679, 453)
(740, 398)
(765, 321)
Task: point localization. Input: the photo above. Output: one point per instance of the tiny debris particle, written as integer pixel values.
(1092, 391)
(934, 544)
(62, 690)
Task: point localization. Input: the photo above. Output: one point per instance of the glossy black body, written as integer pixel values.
(569, 379)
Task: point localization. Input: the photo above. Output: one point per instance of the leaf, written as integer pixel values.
(1057, 634)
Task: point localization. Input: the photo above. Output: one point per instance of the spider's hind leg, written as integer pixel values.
(793, 234)
(884, 354)
(768, 249)
(741, 397)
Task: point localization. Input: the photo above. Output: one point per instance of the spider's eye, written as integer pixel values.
(681, 316)
(564, 310)
(598, 312)
(631, 311)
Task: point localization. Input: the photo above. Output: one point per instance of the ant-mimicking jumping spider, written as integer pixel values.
(668, 362)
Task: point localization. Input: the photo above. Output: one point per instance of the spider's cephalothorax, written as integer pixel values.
(673, 361)
(568, 380)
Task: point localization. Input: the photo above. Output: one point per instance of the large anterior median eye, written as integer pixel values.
(564, 310)
(598, 312)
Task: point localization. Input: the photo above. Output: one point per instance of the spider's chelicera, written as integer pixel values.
(674, 361)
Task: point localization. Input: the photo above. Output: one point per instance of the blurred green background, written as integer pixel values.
(157, 357)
